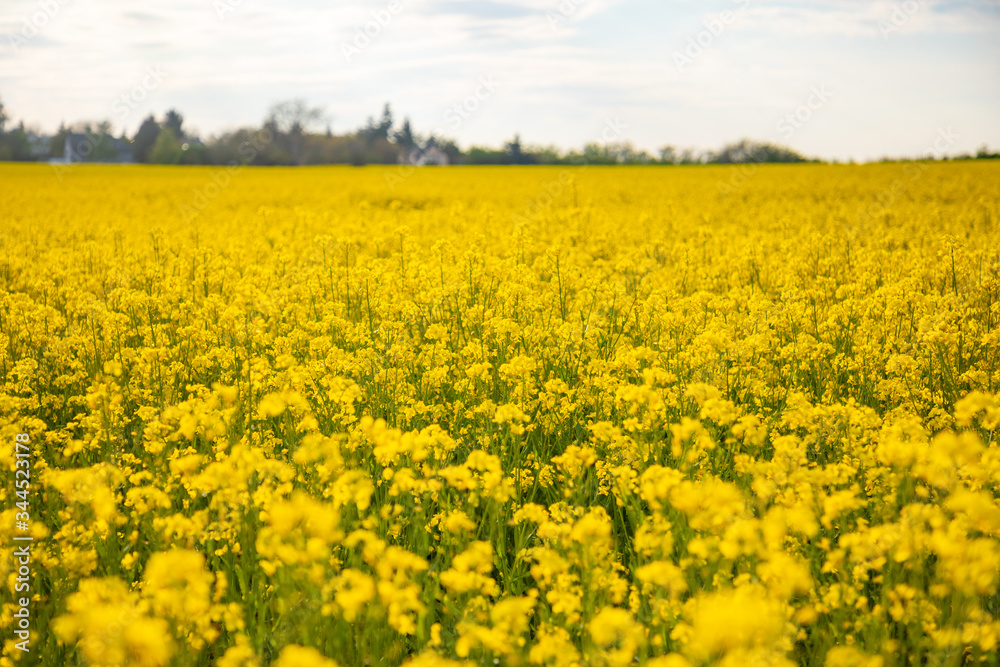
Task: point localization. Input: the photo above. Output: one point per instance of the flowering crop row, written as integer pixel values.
(465, 420)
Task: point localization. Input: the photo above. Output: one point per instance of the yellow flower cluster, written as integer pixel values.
(340, 419)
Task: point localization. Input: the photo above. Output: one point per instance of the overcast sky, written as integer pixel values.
(836, 79)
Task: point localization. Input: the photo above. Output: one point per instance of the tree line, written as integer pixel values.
(290, 136)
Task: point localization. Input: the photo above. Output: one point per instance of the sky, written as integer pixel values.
(835, 79)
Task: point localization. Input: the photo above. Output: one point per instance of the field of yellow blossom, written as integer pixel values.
(654, 416)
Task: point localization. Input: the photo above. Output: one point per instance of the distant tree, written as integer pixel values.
(451, 149)
(14, 145)
(290, 121)
(752, 151)
(983, 153)
(333, 149)
(668, 155)
(595, 153)
(294, 116)
(514, 150)
(145, 139)
(194, 152)
(98, 143)
(174, 122)
(375, 131)
(385, 122)
(167, 149)
(483, 155)
(688, 156)
(356, 154)
(57, 146)
(404, 136)
(243, 146)
(546, 155)
(622, 152)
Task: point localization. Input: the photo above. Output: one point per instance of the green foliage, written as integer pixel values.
(374, 131)
(57, 145)
(174, 122)
(167, 149)
(14, 145)
(145, 139)
(747, 150)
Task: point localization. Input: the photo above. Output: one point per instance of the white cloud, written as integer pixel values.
(559, 83)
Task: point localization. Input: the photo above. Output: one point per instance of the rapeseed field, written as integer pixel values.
(655, 416)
